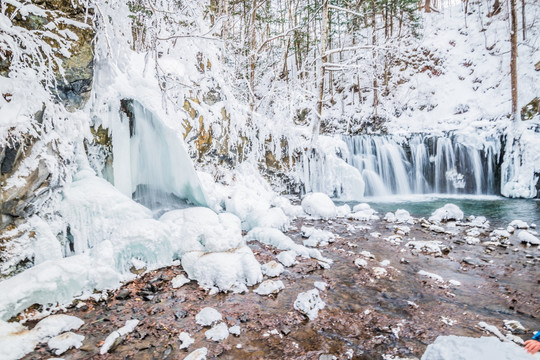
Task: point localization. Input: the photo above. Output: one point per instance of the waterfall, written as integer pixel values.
(150, 163)
(424, 164)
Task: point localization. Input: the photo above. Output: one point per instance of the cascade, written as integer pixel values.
(150, 163)
(423, 164)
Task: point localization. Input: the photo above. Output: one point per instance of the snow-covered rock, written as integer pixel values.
(228, 271)
(269, 287)
(526, 237)
(16, 340)
(446, 213)
(218, 332)
(208, 316)
(185, 339)
(319, 205)
(272, 268)
(109, 341)
(427, 247)
(63, 342)
(309, 303)
(433, 276)
(287, 258)
(179, 281)
(199, 354)
(361, 263)
(318, 237)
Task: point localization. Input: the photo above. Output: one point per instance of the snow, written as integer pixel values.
(361, 263)
(269, 287)
(526, 237)
(207, 316)
(321, 285)
(185, 339)
(275, 238)
(272, 268)
(446, 213)
(217, 333)
(427, 247)
(465, 348)
(63, 342)
(235, 330)
(124, 330)
(179, 281)
(317, 237)
(199, 354)
(519, 224)
(309, 303)
(199, 228)
(319, 205)
(287, 258)
(272, 218)
(16, 340)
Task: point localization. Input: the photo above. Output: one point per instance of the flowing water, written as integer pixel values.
(424, 164)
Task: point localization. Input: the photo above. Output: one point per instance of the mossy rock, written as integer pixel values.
(530, 110)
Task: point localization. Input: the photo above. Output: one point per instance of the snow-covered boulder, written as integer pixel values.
(309, 303)
(319, 205)
(446, 213)
(272, 268)
(218, 332)
(208, 316)
(228, 271)
(526, 237)
(269, 287)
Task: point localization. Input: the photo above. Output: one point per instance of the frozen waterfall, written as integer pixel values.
(420, 164)
(150, 163)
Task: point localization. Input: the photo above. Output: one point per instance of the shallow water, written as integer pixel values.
(498, 210)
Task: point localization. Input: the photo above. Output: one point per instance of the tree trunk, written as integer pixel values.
(513, 59)
(252, 59)
(374, 54)
(318, 118)
(523, 18)
(427, 6)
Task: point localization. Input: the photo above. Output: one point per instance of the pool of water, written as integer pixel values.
(498, 210)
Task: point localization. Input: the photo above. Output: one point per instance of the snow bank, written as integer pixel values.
(466, 348)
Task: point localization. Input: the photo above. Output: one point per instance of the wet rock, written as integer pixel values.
(180, 314)
(472, 261)
(123, 294)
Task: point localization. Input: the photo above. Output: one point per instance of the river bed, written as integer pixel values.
(368, 314)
